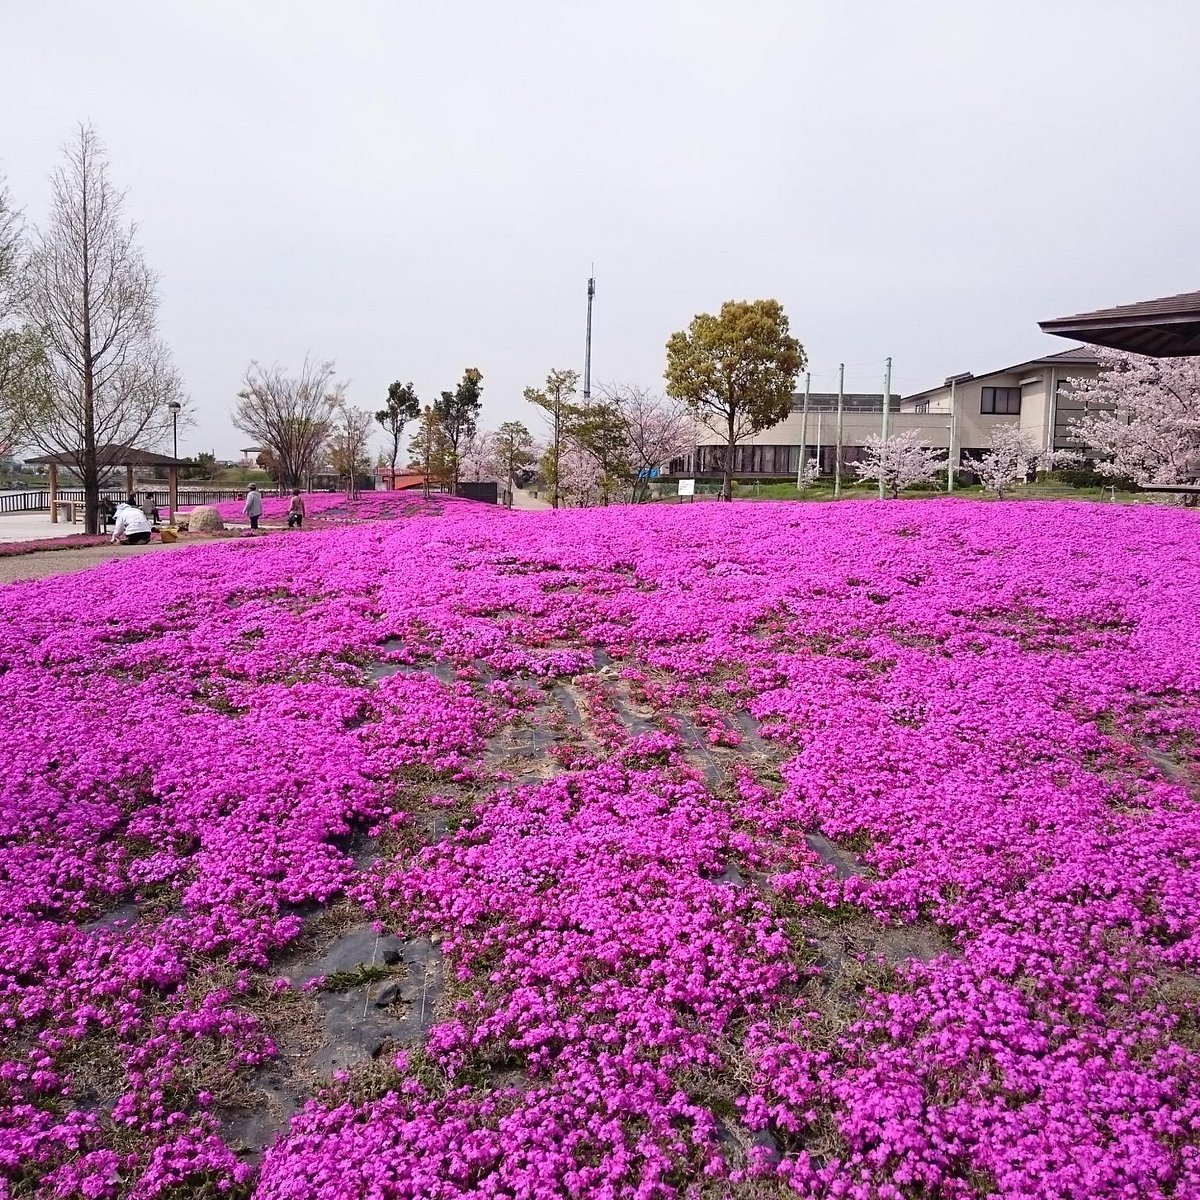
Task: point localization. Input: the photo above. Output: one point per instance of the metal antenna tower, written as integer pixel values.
(587, 353)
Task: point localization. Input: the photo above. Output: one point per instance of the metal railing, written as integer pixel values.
(39, 500)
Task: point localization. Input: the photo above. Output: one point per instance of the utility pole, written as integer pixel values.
(803, 433)
(587, 353)
(950, 445)
(837, 460)
(887, 405)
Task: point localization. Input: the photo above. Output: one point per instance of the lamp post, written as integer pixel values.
(174, 406)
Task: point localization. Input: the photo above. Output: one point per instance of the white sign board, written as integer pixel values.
(687, 487)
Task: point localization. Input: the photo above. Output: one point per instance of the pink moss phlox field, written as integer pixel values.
(325, 508)
(71, 541)
(978, 758)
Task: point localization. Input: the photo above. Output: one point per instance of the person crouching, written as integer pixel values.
(132, 527)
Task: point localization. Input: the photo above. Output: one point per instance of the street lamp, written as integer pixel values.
(173, 476)
(174, 406)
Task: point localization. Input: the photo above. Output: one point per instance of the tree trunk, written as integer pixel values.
(557, 452)
(727, 477)
(91, 467)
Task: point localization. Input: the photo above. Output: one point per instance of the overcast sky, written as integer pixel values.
(411, 189)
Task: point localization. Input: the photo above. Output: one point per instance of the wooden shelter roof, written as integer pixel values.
(1165, 328)
(109, 456)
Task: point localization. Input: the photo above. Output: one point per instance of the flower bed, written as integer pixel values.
(760, 850)
(73, 541)
(332, 507)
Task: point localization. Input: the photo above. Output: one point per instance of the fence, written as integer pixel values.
(39, 501)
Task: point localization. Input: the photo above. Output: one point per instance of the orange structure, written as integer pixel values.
(401, 480)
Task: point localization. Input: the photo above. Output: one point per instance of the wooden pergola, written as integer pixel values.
(1165, 328)
(109, 457)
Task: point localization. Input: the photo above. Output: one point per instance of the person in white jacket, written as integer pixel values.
(253, 506)
(132, 527)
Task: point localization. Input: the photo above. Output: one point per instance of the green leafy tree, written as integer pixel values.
(736, 371)
(458, 412)
(429, 451)
(402, 406)
(600, 433)
(203, 466)
(555, 401)
(513, 446)
(268, 462)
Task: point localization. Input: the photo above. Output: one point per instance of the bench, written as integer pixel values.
(72, 507)
(1190, 490)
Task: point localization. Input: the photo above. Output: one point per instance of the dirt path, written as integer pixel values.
(43, 563)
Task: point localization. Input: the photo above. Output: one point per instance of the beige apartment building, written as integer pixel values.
(958, 415)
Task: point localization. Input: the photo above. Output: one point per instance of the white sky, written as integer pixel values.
(411, 189)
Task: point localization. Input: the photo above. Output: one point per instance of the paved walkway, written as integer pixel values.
(33, 526)
(528, 501)
(40, 565)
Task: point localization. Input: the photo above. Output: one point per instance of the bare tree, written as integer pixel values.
(290, 415)
(350, 446)
(654, 428)
(14, 342)
(102, 379)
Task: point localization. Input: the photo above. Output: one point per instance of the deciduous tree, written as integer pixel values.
(901, 461)
(655, 429)
(14, 343)
(555, 401)
(1010, 457)
(102, 378)
(736, 371)
(429, 451)
(458, 412)
(350, 446)
(401, 408)
(1143, 417)
(514, 451)
(292, 416)
(598, 432)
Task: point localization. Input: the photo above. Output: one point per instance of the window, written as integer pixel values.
(922, 406)
(1004, 401)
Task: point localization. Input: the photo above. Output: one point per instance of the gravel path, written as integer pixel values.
(41, 564)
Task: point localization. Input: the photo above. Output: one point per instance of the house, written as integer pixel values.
(958, 416)
(1034, 395)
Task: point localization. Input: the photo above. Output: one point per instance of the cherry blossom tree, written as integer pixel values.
(900, 461)
(580, 480)
(810, 470)
(1010, 457)
(1142, 417)
(654, 429)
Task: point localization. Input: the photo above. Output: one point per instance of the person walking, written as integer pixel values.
(295, 513)
(253, 505)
